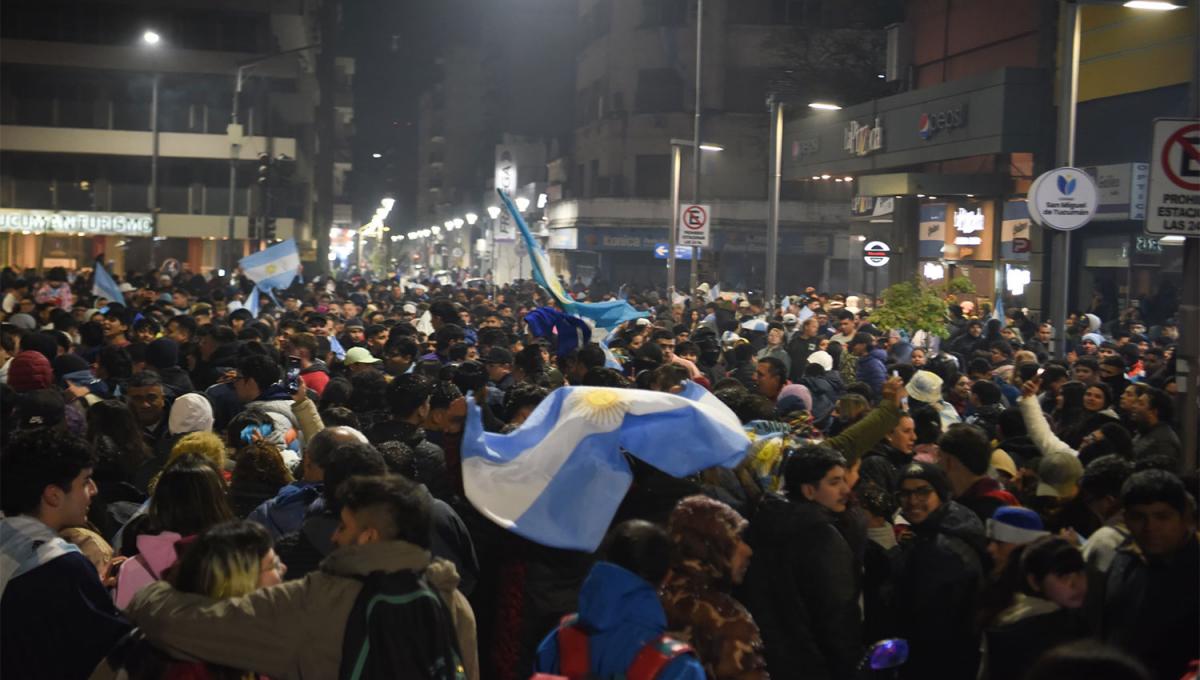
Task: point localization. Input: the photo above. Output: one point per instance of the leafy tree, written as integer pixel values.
(919, 305)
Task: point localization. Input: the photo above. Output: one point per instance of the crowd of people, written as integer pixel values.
(194, 489)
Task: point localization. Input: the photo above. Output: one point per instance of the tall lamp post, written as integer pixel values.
(692, 283)
(672, 230)
(152, 39)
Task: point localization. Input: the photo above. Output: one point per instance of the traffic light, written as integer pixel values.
(264, 169)
(269, 228)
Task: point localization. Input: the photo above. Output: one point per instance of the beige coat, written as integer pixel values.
(295, 629)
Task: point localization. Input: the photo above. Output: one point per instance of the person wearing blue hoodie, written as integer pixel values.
(872, 366)
(619, 609)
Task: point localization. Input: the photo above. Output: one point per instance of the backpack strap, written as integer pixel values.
(574, 659)
(654, 656)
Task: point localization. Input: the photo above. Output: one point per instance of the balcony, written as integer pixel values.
(134, 143)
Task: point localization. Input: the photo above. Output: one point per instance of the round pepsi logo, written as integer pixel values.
(924, 128)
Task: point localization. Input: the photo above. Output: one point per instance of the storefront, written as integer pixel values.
(954, 162)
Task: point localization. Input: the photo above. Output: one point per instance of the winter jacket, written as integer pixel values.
(276, 401)
(825, 390)
(316, 376)
(1152, 608)
(1021, 633)
(798, 350)
(1160, 440)
(429, 460)
(295, 629)
(58, 620)
(872, 370)
(881, 466)
(175, 381)
(986, 417)
(284, 513)
(984, 497)
(803, 589)
(1039, 430)
(206, 372)
(939, 572)
(621, 613)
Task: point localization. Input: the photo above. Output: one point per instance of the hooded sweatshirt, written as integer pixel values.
(621, 613)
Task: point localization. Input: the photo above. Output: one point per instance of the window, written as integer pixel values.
(664, 13)
(653, 176)
(659, 90)
(746, 90)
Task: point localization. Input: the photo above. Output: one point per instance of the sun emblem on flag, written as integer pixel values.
(602, 406)
(271, 269)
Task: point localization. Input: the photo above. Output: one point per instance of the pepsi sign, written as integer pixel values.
(930, 124)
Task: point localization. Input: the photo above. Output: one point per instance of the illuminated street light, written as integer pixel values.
(472, 218)
(493, 211)
(151, 38)
(824, 106)
(522, 203)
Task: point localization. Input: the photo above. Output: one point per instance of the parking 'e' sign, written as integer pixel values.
(1173, 206)
(694, 225)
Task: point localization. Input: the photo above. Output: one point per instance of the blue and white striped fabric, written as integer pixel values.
(275, 267)
(559, 478)
(104, 286)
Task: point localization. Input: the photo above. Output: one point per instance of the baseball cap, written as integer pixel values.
(498, 355)
(1057, 473)
(41, 408)
(409, 308)
(790, 319)
(359, 355)
(821, 358)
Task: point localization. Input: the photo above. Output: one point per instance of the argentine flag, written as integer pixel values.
(104, 286)
(605, 314)
(559, 478)
(274, 267)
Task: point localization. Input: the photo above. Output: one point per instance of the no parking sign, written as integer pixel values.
(1173, 208)
(694, 221)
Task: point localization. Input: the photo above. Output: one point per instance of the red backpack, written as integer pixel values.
(574, 658)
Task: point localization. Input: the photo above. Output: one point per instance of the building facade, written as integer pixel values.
(85, 169)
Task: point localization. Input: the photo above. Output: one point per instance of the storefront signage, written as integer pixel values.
(1015, 243)
(804, 147)
(861, 140)
(929, 124)
(1173, 206)
(967, 225)
(877, 253)
(65, 222)
(1121, 190)
(1063, 199)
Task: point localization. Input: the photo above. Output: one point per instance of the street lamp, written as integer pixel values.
(493, 211)
(824, 106)
(472, 218)
(672, 236)
(151, 37)
(522, 203)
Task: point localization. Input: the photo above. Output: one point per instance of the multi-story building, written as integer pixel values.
(86, 169)
(609, 194)
(952, 157)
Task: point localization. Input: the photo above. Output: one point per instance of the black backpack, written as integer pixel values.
(399, 628)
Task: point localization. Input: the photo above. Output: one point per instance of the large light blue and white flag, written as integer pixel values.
(604, 314)
(104, 286)
(275, 267)
(559, 478)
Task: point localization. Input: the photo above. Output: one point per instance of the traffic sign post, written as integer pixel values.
(663, 250)
(694, 222)
(1173, 206)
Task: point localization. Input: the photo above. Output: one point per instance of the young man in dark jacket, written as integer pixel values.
(1152, 598)
(938, 570)
(58, 619)
(966, 454)
(803, 584)
(872, 368)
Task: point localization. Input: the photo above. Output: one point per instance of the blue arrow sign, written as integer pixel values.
(681, 252)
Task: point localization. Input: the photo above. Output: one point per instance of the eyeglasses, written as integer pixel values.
(920, 493)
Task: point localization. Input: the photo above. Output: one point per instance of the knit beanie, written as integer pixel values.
(30, 371)
(1011, 524)
(930, 473)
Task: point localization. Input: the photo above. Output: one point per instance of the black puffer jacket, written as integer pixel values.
(802, 588)
(429, 461)
(825, 390)
(938, 575)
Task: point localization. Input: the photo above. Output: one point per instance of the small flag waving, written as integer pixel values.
(604, 314)
(275, 267)
(104, 286)
(559, 478)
